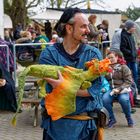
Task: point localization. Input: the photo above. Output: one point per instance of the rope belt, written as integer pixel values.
(83, 117)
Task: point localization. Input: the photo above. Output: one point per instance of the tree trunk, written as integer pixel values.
(21, 15)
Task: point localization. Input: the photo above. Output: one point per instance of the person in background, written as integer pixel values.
(103, 28)
(17, 31)
(29, 27)
(48, 29)
(94, 33)
(37, 29)
(26, 52)
(116, 39)
(39, 38)
(33, 34)
(104, 35)
(93, 36)
(128, 48)
(138, 61)
(7, 36)
(8, 39)
(54, 38)
(138, 52)
(7, 91)
(120, 80)
(3, 56)
(73, 27)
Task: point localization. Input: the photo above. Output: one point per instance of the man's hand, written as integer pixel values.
(2, 82)
(116, 91)
(53, 82)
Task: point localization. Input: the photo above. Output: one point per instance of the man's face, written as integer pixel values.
(80, 28)
(132, 30)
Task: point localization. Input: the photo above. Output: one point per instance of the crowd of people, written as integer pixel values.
(70, 48)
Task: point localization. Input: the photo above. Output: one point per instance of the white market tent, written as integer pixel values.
(138, 21)
(48, 15)
(7, 22)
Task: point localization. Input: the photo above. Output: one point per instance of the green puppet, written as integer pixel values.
(61, 101)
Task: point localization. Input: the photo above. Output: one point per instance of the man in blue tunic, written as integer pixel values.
(73, 27)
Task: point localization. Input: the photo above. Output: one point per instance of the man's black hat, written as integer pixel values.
(66, 16)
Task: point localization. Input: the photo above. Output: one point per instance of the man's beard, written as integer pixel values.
(84, 41)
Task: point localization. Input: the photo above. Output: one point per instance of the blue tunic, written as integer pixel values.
(67, 129)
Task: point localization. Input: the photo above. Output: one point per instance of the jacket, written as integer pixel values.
(26, 48)
(127, 46)
(120, 77)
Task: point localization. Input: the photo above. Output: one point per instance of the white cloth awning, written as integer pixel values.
(138, 20)
(48, 15)
(7, 22)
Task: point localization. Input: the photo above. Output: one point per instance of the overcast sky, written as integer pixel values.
(120, 4)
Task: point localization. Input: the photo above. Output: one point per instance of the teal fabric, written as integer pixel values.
(68, 129)
(38, 40)
(105, 86)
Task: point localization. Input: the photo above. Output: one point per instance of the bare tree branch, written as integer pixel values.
(31, 4)
(67, 2)
(76, 3)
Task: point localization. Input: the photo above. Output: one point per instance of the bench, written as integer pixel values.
(34, 101)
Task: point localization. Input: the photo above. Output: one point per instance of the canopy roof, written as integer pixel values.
(48, 15)
(55, 14)
(7, 22)
(138, 20)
